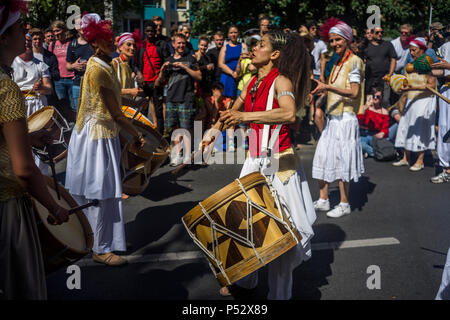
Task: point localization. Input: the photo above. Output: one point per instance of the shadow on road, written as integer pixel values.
(154, 222)
(310, 276)
(162, 187)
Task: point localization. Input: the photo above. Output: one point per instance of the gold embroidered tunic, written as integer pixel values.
(12, 108)
(123, 72)
(416, 80)
(92, 107)
(337, 104)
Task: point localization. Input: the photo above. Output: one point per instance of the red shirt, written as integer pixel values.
(374, 121)
(60, 51)
(151, 71)
(259, 104)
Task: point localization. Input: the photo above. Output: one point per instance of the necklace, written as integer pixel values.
(254, 90)
(341, 64)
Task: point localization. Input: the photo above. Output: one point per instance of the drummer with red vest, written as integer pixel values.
(283, 72)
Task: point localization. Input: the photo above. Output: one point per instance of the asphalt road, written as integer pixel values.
(400, 223)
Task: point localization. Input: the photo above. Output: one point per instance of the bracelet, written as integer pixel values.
(286, 93)
(241, 98)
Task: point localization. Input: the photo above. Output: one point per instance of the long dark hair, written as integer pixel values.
(294, 62)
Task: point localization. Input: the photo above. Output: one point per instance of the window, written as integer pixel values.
(182, 4)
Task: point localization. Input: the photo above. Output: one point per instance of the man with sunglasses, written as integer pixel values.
(381, 59)
(401, 46)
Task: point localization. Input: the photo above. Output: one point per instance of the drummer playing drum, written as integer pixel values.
(93, 162)
(281, 59)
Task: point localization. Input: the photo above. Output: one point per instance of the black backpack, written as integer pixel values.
(383, 149)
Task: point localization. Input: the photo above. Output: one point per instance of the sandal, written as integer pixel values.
(109, 259)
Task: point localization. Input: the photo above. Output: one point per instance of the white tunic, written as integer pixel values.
(402, 54)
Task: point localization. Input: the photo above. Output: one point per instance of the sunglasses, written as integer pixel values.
(377, 97)
(378, 32)
(404, 33)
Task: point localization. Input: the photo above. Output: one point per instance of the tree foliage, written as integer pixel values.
(208, 16)
(43, 12)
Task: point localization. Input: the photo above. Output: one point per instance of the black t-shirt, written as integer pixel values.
(207, 76)
(75, 51)
(213, 54)
(379, 59)
(180, 86)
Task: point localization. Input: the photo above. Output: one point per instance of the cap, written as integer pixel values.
(437, 26)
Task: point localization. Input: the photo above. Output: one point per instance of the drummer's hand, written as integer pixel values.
(58, 216)
(139, 141)
(37, 85)
(232, 118)
(136, 91)
(40, 138)
(405, 88)
(442, 64)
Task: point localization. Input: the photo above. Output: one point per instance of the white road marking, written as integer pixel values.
(195, 255)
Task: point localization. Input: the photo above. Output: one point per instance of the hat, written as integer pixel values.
(436, 26)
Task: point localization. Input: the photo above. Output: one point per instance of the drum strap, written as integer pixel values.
(266, 145)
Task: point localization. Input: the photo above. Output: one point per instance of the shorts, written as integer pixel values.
(179, 115)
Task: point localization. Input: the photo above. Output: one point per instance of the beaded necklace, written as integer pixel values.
(340, 64)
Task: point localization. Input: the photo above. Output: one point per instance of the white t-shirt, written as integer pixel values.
(319, 48)
(402, 54)
(26, 74)
(444, 51)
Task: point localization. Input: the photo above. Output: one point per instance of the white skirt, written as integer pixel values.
(93, 166)
(416, 127)
(106, 221)
(443, 149)
(298, 198)
(34, 103)
(444, 289)
(338, 153)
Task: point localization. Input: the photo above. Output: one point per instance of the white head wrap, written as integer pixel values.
(12, 18)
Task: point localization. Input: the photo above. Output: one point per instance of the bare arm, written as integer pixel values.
(392, 66)
(43, 86)
(431, 83)
(26, 171)
(323, 63)
(349, 93)
(222, 65)
(284, 114)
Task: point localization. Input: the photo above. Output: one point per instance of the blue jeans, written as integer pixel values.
(63, 89)
(75, 95)
(366, 142)
(393, 132)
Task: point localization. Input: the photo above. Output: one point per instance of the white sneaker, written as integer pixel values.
(322, 205)
(416, 167)
(441, 178)
(339, 211)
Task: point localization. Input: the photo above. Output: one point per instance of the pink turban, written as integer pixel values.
(419, 42)
(124, 37)
(334, 25)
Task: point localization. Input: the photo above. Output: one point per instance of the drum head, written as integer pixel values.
(40, 119)
(76, 234)
(152, 137)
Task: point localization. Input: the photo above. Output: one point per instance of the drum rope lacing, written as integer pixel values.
(206, 251)
(278, 200)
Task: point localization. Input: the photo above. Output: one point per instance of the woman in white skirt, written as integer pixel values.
(338, 154)
(416, 132)
(93, 162)
(443, 141)
(283, 69)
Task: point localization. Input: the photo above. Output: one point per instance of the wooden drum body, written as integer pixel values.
(241, 228)
(139, 164)
(63, 244)
(48, 118)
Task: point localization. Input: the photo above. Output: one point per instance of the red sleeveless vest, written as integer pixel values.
(257, 102)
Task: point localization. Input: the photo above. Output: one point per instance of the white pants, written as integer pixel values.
(298, 198)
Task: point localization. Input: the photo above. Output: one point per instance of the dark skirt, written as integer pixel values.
(22, 274)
